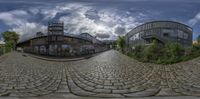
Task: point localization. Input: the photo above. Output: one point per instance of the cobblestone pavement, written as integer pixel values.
(109, 74)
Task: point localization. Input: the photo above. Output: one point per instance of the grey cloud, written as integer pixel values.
(95, 21)
(28, 30)
(120, 30)
(13, 18)
(78, 18)
(18, 21)
(194, 20)
(92, 14)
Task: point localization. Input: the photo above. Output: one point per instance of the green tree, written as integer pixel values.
(138, 51)
(121, 43)
(10, 38)
(195, 50)
(174, 49)
(173, 53)
(151, 52)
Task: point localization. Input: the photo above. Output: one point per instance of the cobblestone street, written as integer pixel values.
(108, 74)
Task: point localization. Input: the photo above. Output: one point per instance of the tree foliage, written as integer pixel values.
(151, 51)
(138, 51)
(10, 38)
(173, 50)
(167, 54)
(121, 43)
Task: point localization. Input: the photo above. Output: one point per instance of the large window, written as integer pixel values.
(168, 32)
(182, 34)
(157, 24)
(173, 34)
(185, 36)
(165, 34)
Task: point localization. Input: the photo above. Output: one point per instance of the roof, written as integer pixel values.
(165, 21)
(159, 21)
(80, 36)
(66, 35)
(93, 38)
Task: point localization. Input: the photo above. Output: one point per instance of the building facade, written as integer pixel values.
(163, 31)
(57, 43)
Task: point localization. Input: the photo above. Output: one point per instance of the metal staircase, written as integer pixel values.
(154, 36)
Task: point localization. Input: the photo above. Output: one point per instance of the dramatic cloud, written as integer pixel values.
(120, 30)
(97, 21)
(195, 20)
(98, 18)
(78, 18)
(28, 30)
(18, 21)
(13, 18)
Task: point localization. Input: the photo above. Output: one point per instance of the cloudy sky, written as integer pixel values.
(106, 19)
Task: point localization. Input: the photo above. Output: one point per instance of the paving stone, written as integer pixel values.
(99, 86)
(89, 88)
(148, 92)
(111, 87)
(102, 95)
(109, 74)
(120, 91)
(63, 88)
(102, 91)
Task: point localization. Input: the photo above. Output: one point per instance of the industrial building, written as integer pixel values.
(162, 31)
(58, 43)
